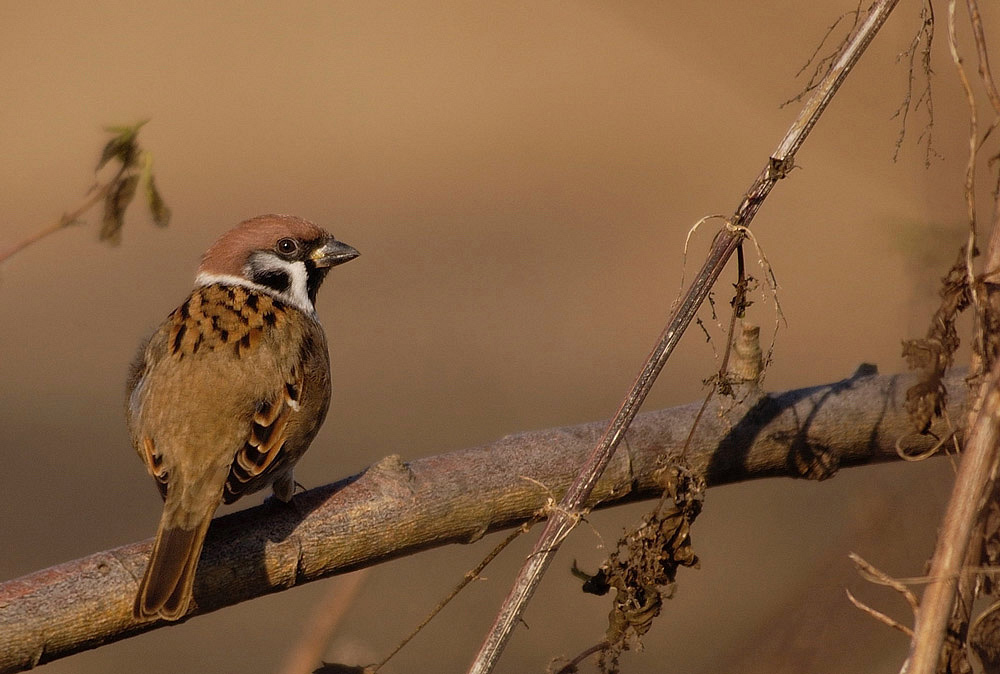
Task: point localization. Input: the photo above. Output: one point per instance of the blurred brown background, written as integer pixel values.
(520, 178)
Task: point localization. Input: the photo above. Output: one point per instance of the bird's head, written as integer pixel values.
(282, 255)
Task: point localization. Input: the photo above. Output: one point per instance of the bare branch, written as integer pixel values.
(97, 193)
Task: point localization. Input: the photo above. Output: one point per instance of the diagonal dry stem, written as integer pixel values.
(726, 242)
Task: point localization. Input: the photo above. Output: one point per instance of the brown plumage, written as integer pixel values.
(229, 391)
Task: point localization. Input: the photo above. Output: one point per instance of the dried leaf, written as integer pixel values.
(118, 199)
(934, 354)
(984, 638)
(338, 668)
(592, 583)
(643, 569)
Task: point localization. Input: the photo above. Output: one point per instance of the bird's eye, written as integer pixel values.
(287, 246)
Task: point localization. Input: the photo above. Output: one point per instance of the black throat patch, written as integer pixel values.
(314, 279)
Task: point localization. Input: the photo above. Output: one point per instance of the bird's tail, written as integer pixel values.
(166, 588)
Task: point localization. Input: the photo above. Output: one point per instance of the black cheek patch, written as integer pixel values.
(272, 278)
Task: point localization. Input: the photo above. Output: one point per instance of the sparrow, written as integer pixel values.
(226, 395)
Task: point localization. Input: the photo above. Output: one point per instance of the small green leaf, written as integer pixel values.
(128, 128)
(116, 147)
(159, 210)
(122, 145)
(117, 200)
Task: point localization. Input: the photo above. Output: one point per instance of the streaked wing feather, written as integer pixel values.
(154, 465)
(263, 449)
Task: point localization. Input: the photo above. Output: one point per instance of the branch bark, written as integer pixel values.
(395, 508)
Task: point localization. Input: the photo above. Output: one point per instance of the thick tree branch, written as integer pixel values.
(396, 508)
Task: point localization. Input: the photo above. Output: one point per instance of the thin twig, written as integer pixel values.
(307, 653)
(571, 666)
(979, 37)
(970, 166)
(984, 61)
(721, 377)
(97, 193)
(726, 242)
(924, 35)
(875, 575)
(469, 577)
(878, 615)
(903, 581)
(821, 65)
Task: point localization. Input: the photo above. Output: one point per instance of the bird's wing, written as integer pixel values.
(262, 457)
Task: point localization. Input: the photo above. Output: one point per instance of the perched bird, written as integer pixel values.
(229, 391)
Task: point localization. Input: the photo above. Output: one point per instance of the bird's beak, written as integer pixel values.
(333, 253)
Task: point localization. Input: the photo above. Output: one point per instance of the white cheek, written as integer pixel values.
(298, 291)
